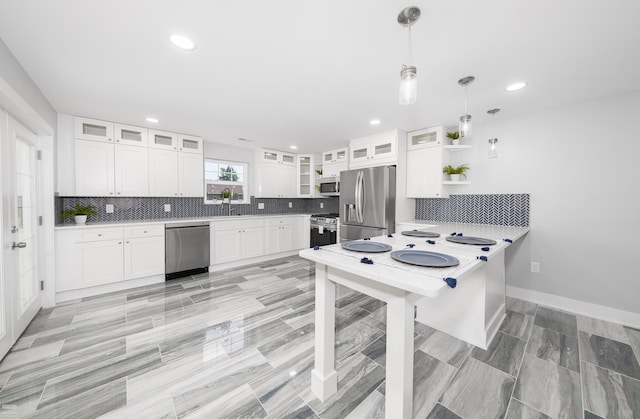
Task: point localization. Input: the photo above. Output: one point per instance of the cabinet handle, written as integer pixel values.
(99, 235)
(119, 242)
(145, 231)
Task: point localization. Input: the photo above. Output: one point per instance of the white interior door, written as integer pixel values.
(19, 231)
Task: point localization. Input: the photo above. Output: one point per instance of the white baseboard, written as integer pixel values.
(65, 296)
(626, 318)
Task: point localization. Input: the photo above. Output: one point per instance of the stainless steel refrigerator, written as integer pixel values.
(367, 202)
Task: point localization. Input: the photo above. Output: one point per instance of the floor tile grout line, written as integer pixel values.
(609, 370)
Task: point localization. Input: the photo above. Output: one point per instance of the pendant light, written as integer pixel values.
(465, 120)
(493, 142)
(408, 91)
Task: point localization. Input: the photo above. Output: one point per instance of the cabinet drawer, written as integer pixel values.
(252, 223)
(226, 225)
(144, 231)
(99, 234)
(279, 222)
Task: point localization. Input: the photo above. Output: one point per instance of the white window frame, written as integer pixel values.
(245, 183)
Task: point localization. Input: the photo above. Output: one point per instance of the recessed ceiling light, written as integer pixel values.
(375, 122)
(516, 86)
(182, 42)
(152, 120)
(293, 147)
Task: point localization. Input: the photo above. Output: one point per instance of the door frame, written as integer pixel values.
(14, 105)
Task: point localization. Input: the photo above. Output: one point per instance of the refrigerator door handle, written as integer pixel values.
(360, 197)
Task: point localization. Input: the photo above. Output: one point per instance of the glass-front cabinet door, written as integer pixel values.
(190, 144)
(163, 140)
(92, 129)
(428, 137)
(130, 135)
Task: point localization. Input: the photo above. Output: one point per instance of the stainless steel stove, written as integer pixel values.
(324, 229)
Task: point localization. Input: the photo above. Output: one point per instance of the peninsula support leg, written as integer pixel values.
(324, 379)
(399, 385)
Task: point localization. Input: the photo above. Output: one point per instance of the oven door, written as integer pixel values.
(321, 239)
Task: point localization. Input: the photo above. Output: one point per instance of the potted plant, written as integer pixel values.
(454, 136)
(455, 172)
(79, 213)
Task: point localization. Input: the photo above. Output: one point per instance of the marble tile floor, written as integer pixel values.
(239, 344)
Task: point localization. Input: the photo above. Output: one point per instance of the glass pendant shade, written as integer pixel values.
(465, 126)
(408, 85)
(493, 148)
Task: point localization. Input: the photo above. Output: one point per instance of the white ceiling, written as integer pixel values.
(314, 72)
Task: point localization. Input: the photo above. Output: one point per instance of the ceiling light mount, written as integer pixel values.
(408, 16)
(465, 81)
(493, 111)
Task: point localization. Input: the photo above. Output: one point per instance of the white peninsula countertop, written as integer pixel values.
(466, 301)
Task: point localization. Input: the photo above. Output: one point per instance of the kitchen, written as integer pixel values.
(556, 149)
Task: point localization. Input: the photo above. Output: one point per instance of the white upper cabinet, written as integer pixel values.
(277, 157)
(94, 168)
(335, 161)
(276, 174)
(131, 170)
(190, 175)
(92, 129)
(130, 135)
(190, 144)
(306, 176)
(428, 137)
(374, 150)
(163, 173)
(163, 139)
(427, 154)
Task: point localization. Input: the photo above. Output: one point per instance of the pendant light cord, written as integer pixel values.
(410, 48)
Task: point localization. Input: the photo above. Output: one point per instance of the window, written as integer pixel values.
(224, 179)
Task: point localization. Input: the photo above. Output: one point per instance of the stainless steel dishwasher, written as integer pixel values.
(187, 250)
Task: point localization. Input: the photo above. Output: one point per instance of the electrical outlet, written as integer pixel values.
(109, 209)
(290, 205)
(321, 205)
(535, 267)
(260, 205)
(167, 207)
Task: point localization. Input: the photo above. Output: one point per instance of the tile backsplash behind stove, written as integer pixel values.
(142, 208)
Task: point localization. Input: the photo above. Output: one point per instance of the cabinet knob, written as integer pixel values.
(109, 139)
(110, 193)
(99, 235)
(127, 242)
(145, 231)
(119, 242)
(118, 193)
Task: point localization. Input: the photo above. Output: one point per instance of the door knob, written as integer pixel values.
(20, 245)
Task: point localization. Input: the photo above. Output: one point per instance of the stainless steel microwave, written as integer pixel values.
(330, 187)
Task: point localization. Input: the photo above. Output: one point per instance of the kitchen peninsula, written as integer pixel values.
(471, 311)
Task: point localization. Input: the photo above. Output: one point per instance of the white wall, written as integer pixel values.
(580, 164)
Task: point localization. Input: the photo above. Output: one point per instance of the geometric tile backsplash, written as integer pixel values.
(495, 209)
(148, 209)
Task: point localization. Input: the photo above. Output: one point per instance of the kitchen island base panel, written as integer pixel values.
(474, 310)
(400, 329)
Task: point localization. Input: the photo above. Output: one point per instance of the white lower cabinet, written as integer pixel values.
(283, 234)
(97, 263)
(235, 239)
(88, 257)
(143, 251)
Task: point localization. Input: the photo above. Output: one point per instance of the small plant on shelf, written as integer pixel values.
(455, 172)
(79, 213)
(454, 137)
